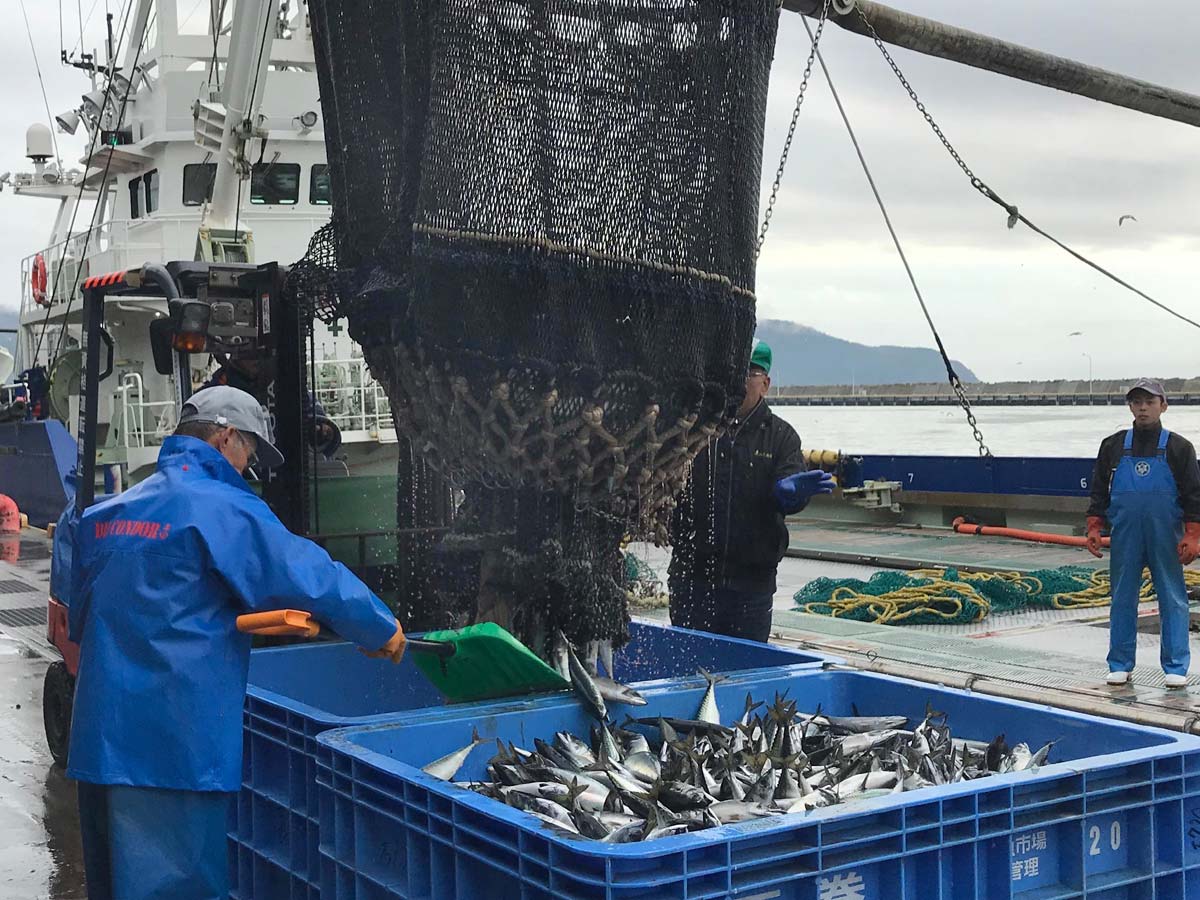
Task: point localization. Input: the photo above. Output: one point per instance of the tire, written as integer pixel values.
(58, 698)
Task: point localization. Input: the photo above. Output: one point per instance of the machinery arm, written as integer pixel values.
(251, 35)
(994, 55)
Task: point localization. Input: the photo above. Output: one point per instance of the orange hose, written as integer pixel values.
(1044, 537)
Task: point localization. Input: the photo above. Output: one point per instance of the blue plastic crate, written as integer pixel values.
(298, 692)
(1116, 815)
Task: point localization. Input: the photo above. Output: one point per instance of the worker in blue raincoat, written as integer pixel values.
(161, 574)
(1147, 484)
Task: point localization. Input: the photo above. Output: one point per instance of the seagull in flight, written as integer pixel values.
(1121, 221)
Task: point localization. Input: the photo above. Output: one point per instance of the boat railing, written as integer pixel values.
(108, 247)
(137, 412)
(355, 401)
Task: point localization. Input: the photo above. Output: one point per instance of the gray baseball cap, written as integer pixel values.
(1150, 386)
(223, 405)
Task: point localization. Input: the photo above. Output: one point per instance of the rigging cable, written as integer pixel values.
(1014, 214)
(83, 24)
(955, 381)
(53, 292)
(42, 84)
(791, 132)
(248, 126)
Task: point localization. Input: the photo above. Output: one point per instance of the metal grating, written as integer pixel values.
(24, 616)
(13, 586)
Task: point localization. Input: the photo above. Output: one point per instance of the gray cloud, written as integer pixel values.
(1003, 299)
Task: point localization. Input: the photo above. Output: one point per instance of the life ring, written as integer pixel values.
(37, 281)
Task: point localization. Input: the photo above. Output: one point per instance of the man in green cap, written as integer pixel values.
(728, 532)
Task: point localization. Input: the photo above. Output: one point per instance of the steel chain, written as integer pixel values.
(960, 391)
(791, 133)
(955, 382)
(976, 182)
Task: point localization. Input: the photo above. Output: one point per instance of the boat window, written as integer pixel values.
(198, 181)
(319, 190)
(151, 182)
(135, 198)
(275, 184)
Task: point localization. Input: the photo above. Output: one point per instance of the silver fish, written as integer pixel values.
(567, 825)
(447, 766)
(631, 831)
(860, 743)
(606, 658)
(700, 774)
(559, 659)
(621, 694)
(1039, 758)
(730, 811)
(644, 765)
(708, 711)
(863, 724)
(585, 686)
(575, 749)
(867, 781)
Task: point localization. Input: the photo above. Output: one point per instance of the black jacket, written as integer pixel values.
(1181, 458)
(727, 530)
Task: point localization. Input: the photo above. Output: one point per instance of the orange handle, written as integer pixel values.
(280, 621)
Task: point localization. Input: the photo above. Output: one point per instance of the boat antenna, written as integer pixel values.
(42, 84)
(955, 382)
(1014, 214)
(95, 136)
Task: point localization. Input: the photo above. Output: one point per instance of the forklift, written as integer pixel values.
(239, 311)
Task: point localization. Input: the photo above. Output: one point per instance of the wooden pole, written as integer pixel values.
(970, 48)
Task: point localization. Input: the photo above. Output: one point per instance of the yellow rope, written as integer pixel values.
(947, 599)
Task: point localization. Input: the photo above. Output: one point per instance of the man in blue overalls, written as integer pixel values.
(1147, 484)
(161, 573)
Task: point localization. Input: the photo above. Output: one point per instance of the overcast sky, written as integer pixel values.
(1004, 300)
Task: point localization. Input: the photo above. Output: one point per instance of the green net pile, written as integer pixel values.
(642, 585)
(950, 597)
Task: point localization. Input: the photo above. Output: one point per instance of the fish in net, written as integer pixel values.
(544, 238)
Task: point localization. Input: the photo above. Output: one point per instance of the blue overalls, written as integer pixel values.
(1147, 525)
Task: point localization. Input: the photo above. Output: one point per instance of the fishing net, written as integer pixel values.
(544, 228)
(544, 238)
(643, 585)
(950, 597)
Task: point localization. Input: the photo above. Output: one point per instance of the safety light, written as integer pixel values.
(191, 328)
(94, 103)
(67, 121)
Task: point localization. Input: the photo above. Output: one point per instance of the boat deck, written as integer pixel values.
(1055, 657)
(1050, 656)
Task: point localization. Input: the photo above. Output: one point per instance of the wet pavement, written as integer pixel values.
(39, 827)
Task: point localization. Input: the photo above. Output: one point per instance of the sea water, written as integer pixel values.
(943, 430)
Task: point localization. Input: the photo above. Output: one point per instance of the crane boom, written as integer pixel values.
(226, 128)
(981, 51)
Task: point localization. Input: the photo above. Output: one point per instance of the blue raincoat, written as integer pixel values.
(162, 572)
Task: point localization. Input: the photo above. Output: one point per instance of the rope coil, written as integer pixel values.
(950, 597)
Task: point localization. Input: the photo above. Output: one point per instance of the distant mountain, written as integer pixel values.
(803, 355)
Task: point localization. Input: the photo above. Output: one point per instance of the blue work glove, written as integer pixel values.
(793, 493)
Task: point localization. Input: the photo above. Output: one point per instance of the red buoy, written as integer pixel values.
(10, 516)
